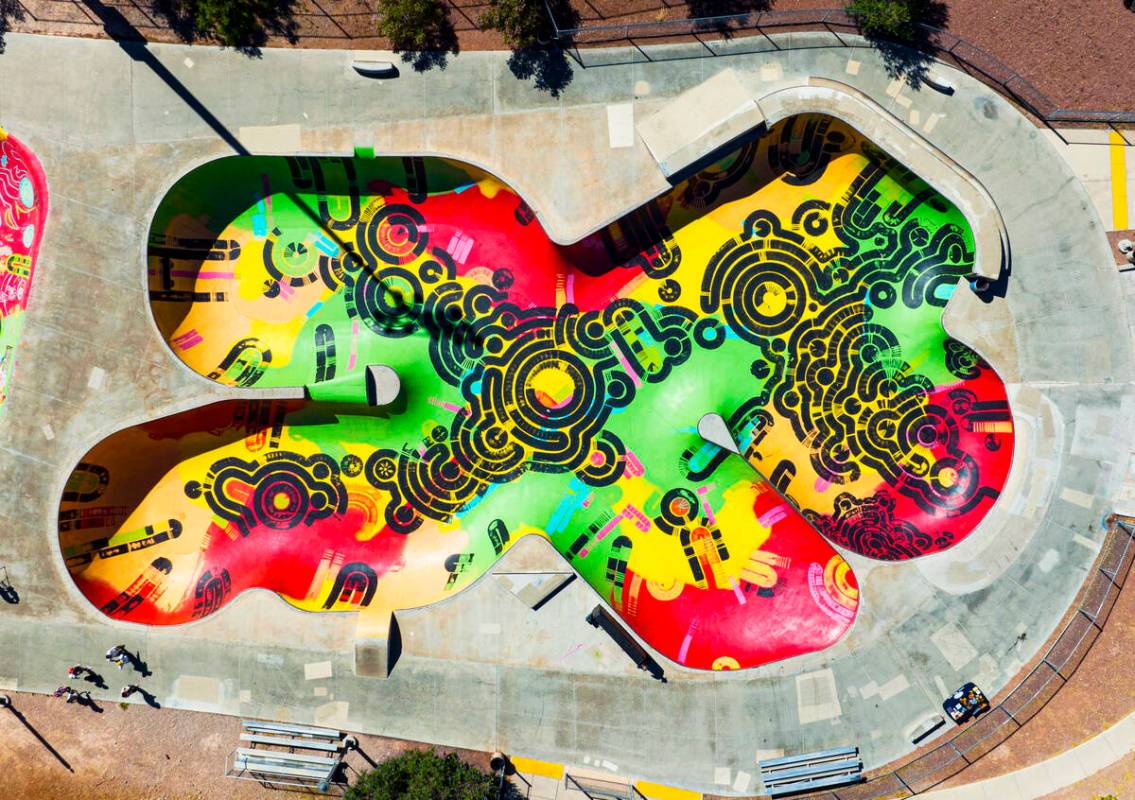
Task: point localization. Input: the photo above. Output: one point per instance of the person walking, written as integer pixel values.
(115, 652)
(63, 690)
(76, 671)
(130, 689)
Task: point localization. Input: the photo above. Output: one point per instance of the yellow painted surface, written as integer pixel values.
(1120, 220)
(656, 791)
(531, 766)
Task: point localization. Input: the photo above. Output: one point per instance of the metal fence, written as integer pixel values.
(935, 42)
(1097, 598)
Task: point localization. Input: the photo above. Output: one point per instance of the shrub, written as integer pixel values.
(418, 775)
(522, 23)
(886, 18)
(235, 23)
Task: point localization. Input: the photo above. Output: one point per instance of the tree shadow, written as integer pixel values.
(709, 12)
(908, 58)
(9, 10)
(547, 67)
(243, 25)
(545, 60)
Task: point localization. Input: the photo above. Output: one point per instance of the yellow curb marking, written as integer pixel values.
(656, 791)
(533, 767)
(1119, 219)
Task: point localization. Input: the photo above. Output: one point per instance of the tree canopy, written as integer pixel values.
(424, 775)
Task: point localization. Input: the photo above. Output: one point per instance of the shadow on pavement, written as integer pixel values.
(134, 44)
(547, 67)
(31, 728)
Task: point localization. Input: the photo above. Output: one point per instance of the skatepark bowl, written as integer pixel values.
(795, 287)
(23, 209)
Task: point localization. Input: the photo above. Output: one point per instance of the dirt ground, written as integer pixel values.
(50, 750)
(1078, 52)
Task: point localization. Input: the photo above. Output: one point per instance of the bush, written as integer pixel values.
(418, 775)
(412, 24)
(235, 23)
(522, 23)
(895, 19)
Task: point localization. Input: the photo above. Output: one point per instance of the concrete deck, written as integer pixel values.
(113, 136)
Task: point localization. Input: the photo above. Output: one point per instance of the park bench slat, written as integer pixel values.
(819, 755)
(282, 727)
(800, 786)
(307, 744)
(284, 758)
(851, 766)
(257, 768)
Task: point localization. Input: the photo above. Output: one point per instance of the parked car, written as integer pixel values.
(966, 703)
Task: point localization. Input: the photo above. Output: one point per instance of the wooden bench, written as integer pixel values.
(817, 770)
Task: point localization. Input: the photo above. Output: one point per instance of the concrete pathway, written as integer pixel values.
(1057, 772)
(1104, 161)
(115, 128)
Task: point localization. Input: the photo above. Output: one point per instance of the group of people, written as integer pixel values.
(117, 655)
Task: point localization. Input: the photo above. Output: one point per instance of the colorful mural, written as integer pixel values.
(796, 288)
(23, 209)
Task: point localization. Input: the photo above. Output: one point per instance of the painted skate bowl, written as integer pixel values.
(23, 210)
(795, 287)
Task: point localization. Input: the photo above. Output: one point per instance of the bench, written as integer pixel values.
(818, 770)
(291, 731)
(280, 741)
(287, 767)
(292, 759)
(242, 764)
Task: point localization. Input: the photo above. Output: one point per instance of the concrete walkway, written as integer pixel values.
(114, 129)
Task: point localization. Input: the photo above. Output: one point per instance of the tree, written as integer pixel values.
(886, 18)
(242, 24)
(522, 23)
(424, 775)
(419, 27)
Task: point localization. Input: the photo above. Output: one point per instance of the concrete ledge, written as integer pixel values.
(946, 176)
(699, 121)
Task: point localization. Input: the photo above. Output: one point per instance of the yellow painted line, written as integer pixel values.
(1118, 183)
(533, 767)
(656, 791)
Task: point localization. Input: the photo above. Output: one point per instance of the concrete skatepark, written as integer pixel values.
(474, 671)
